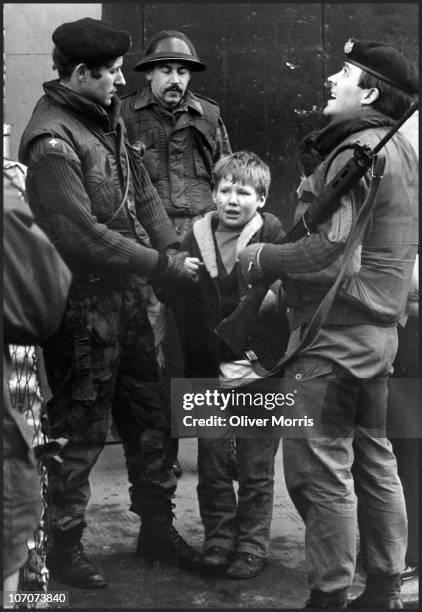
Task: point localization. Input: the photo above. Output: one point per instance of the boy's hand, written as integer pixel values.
(249, 263)
(170, 270)
(192, 265)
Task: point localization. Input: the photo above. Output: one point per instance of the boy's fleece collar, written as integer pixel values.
(202, 231)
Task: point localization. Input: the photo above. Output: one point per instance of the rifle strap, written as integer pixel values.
(353, 241)
(124, 200)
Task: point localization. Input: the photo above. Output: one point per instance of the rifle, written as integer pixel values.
(235, 329)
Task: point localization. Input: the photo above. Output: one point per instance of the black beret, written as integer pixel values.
(91, 40)
(383, 61)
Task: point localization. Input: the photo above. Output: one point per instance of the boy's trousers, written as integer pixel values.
(241, 525)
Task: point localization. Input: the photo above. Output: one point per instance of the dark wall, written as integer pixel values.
(266, 65)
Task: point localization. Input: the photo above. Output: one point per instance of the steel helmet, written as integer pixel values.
(170, 45)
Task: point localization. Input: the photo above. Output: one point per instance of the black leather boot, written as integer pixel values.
(381, 591)
(333, 600)
(158, 540)
(67, 561)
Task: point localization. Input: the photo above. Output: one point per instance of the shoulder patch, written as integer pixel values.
(53, 144)
(50, 144)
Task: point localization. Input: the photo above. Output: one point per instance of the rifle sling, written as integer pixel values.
(322, 311)
(123, 202)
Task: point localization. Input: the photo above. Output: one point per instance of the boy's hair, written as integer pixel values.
(245, 168)
(64, 64)
(391, 101)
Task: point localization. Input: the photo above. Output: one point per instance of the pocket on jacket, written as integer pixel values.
(100, 182)
(147, 134)
(202, 153)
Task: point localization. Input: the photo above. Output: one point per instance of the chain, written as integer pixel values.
(27, 398)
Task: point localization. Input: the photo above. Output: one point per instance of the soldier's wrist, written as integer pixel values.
(161, 267)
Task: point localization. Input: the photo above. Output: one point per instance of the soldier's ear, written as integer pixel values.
(81, 72)
(370, 96)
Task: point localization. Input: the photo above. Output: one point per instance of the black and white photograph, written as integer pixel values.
(211, 341)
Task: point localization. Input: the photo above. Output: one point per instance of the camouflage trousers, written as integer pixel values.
(102, 363)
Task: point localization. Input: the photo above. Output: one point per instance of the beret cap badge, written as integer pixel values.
(349, 46)
(385, 62)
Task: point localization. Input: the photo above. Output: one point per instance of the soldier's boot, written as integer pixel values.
(381, 591)
(158, 540)
(334, 600)
(67, 561)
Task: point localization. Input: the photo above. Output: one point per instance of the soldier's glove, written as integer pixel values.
(170, 275)
(171, 250)
(249, 263)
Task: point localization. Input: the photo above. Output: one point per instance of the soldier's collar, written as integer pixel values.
(194, 102)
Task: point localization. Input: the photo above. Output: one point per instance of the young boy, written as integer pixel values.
(236, 533)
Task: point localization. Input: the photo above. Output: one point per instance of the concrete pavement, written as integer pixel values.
(110, 539)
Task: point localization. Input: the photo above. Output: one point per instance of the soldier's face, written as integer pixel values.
(101, 85)
(169, 82)
(346, 97)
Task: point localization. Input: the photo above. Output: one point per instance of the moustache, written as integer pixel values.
(175, 88)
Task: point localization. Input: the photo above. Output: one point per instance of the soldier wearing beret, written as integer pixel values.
(182, 135)
(342, 377)
(88, 189)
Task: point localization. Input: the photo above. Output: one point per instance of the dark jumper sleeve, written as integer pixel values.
(66, 217)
